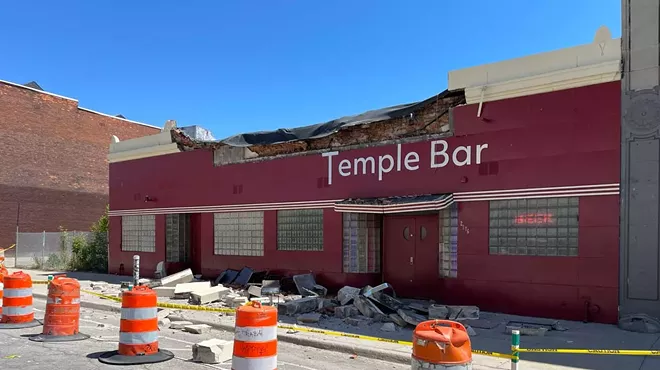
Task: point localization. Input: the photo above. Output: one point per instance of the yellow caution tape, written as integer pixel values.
(620, 352)
(39, 282)
(492, 354)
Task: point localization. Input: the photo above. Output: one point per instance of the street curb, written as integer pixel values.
(373, 353)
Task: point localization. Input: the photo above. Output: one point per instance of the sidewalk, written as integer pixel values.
(490, 336)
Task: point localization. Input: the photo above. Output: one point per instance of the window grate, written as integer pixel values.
(534, 227)
(362, 242)
(239, 234)
(138, 233)
(449, 242)
(177, 237)
(300, 230)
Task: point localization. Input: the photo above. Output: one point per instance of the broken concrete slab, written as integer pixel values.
(368, 291)
(398, 320)
(239, 301)
(212, 351)
(388, 327)
(438, 312)
(410, 316)
(343, 312)
(309, 318)
(355, 321)
(347, 294)
(182, 291)
(368, 308)
(471, 332)
(326, 304)
(164, 322)
(181, 277)
(163, 313)
(254, 290)
(299, 306)
(179, 325)
(305, 284)
(209, 295)
(197, 329)
(419, 307)
(164, 291)
(463, 312)
(270, 287)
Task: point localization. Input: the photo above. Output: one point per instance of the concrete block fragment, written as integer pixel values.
(182, 291)
(438, 311)
(208, 295)
(303, 305)
(178, 325)
(164, 322)
(239, 301)
(410, 316)
(343, 312)
(388, 327)
(180, 277)
(309, 318)
(163, 313)
(471, 332)
(325, 303)
(419, 307)
(254, 290)
(368, 308)
(164, 291)
(197, 329)
(347, 294)
(463, 312)
(212, 351)
(398, 320)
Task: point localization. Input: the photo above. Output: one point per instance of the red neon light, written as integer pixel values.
(534, 219)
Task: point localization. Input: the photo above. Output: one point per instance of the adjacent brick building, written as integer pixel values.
(54, 170)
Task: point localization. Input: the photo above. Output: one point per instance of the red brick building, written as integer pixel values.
(502, 192)
(54, 160)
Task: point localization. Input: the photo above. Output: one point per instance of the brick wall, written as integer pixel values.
(53, 163)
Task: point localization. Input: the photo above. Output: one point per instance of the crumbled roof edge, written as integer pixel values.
(186, 143)
(75, 100)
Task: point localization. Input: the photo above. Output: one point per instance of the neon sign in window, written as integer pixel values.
(534, 219)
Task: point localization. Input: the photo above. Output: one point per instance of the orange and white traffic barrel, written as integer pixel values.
(62, 318)
(255, 338)
(2, 286)
(138, 330)
(17, 311)
(441, 344)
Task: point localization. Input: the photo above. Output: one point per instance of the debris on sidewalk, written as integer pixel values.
(197, 328)
(179, 325)
(212, 351)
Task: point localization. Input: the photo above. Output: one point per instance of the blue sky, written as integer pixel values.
(237, 66)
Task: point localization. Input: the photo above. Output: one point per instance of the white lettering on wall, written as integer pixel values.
(440, 152)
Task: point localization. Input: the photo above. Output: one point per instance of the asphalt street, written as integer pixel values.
(17, 352)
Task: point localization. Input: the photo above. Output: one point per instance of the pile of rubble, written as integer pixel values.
(369, 305)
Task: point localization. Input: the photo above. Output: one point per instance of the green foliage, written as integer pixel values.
(91, 254)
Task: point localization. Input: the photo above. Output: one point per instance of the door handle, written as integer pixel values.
(411, 261)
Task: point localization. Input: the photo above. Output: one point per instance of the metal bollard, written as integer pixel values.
(515, 345)
(136, 270)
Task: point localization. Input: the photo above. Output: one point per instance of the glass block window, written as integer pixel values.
(138, 233)
(449, 242)
(362, 243)
(300, 230)
(534, 227)
(239, 234)
(177, 238)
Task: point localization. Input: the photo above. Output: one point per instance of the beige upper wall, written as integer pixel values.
(567, 68)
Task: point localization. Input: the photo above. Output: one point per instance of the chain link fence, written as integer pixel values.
(44, 250)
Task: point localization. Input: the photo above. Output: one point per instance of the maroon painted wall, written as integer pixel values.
(562, 138)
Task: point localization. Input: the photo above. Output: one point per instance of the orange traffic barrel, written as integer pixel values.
(2, 285)
(255, 338)
(439, 344)
(138, 330)
(17, 311)
(62, 318)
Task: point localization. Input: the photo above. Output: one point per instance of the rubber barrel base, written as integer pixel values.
(21, 325)
(114, 358)
(59, 338)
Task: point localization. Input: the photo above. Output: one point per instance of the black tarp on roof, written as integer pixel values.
(320, 130)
